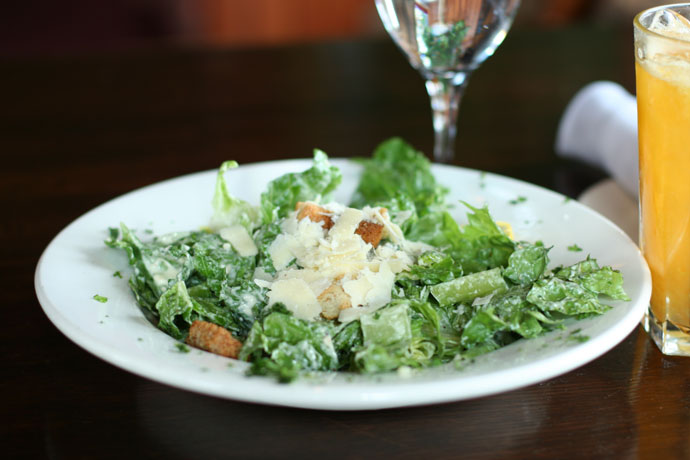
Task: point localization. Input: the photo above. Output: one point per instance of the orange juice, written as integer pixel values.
(663, 109)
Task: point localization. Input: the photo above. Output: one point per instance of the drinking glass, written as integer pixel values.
(662, 68)
(445, 40)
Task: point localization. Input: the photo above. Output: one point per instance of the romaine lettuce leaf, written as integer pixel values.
(156, 264)
(178, 308)
(600, 280)
(228, 210)
(376, 358)
(527, 264)
(315, 184)
(218, 263)
(482, 245)
(434, 267)
(509, 312)
(397, 336)
(282, 345)
(388, 326)
(175, 309)
(347, 341)
(397, 169)
(140, 282)
(263, 237)
(181, 277)
(477, 246)
(566, 297)
(480, 223)
(438, 229)
(389, 342)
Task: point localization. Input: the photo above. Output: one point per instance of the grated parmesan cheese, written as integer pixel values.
(337, 256)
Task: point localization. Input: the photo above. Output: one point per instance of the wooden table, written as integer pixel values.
(78, 130)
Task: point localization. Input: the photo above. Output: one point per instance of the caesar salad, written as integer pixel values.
(389, 281)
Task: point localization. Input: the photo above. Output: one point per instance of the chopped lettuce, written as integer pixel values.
(180, 278)
(283, 346)
(527, 264)
(477, 246)
(482, 245)
(264, 236)
(474, 291)
(566, 297)
(505, 313)
(228, 210)
(390, 341)
(387, 327)
(435, 267)
(397, 170)
(600, 280)
(315, 184)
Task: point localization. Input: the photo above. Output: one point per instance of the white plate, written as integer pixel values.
(77, 265)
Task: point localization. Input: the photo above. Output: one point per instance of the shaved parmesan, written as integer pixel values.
(240, 240)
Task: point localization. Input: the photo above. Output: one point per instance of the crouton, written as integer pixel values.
(332, 300)
(315, 213)
(213, 338)
(371, 232)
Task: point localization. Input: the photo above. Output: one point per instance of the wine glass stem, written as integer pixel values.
(445, 95)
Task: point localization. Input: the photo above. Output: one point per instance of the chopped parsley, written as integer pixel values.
(182, 348)
(575, 336)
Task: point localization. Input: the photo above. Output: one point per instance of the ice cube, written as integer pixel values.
(668, 59)
(671, 24)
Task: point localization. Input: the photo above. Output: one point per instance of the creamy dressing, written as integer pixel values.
(162, 271)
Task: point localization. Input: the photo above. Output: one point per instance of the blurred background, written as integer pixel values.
(173, 86)
(69, 26)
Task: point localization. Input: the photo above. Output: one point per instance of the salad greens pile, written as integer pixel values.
(477, 290)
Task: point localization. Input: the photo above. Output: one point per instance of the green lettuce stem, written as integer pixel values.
(467, 288)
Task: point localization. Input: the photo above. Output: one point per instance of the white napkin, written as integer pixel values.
(599, 127)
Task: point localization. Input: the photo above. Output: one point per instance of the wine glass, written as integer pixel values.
(445, 40)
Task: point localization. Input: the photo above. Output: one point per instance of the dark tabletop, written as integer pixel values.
(78, 129)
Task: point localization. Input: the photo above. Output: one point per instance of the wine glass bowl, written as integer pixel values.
(445, 40)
